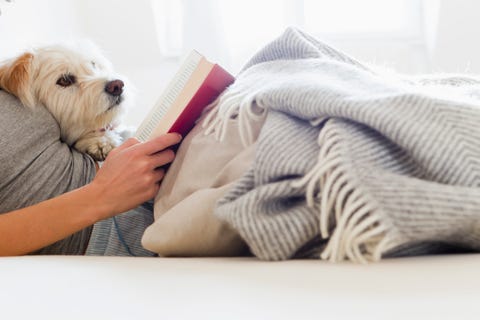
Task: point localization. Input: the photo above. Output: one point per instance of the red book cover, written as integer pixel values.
(214, 84)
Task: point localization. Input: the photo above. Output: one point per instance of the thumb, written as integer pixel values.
(127, 144)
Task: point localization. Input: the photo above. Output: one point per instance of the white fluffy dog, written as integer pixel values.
(76, 83)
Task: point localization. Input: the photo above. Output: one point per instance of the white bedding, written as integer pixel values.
(60, 287)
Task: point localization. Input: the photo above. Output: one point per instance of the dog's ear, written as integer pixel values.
(15, 78)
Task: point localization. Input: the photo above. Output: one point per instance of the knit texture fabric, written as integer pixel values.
(35, 165)
(353, 162)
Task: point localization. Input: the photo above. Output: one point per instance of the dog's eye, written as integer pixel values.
(66, 80)
(94, 65)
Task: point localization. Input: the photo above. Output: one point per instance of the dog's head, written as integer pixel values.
(75, 83)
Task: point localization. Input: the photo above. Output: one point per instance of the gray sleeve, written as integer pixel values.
(34, 164)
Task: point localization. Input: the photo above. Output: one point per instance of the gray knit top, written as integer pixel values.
(35, 165)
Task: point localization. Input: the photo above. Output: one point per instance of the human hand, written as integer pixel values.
(131, 173)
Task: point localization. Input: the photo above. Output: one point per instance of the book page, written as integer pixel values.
(168, 97)
(189, 90)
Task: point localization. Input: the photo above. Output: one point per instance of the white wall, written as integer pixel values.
(457, 43)
(27, 23)
(126, 31)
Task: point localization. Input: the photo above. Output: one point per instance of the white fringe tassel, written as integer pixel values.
(234, 105)
(359, 234)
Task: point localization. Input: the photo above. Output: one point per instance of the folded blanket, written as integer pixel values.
(204, 169)
(351, 162)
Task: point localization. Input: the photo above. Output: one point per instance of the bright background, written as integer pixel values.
(147, 39)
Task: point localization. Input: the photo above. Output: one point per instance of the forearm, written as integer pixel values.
(129, 176)
(26, 230)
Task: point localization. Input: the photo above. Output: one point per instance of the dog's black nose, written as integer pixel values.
(114, 87)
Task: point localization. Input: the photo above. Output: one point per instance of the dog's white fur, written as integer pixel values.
(86, 113)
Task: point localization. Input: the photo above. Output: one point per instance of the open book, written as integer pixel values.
(194, 87)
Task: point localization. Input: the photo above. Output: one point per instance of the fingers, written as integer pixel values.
(128, 143)
(159, 174)
(158, 144)
(162, 158)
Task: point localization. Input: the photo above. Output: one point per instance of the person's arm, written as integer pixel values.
(129, 176)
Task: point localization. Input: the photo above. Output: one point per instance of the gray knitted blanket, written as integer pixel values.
(352, 163)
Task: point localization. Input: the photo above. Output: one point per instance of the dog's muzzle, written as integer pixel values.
(114, 89)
